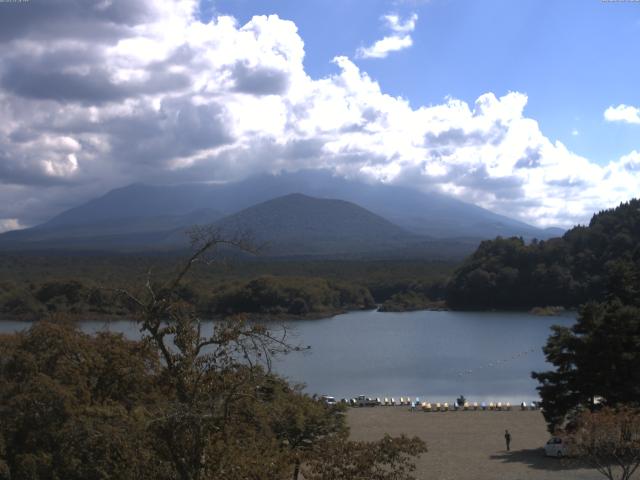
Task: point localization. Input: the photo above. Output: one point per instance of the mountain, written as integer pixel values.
(426, 213)
(134, 232)
(143, 216)
(297, 224)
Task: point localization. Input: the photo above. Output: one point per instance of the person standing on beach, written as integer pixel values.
(507, 439)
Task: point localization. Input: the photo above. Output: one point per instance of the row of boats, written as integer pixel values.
(362, 401)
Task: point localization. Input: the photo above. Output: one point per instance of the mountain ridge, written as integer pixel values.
(441, 215)
(156, 215)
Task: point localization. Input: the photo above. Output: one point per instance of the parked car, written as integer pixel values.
(556, 447)
(363, 401)
(329, 400)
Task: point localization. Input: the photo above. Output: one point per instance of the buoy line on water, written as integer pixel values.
(494, 364)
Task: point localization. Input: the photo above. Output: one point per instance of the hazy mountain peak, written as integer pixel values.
(307, 194)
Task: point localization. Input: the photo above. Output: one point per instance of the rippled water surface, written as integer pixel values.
(433, 355)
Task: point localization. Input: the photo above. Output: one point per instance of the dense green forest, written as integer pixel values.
(33, 286)
(595, 262)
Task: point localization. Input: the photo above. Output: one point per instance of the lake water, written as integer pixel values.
(433, 355)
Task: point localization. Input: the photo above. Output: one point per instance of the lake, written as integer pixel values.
(436, 356)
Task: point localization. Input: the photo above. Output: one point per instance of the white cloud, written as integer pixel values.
(395, 23)
(398, 40)
(8, 224)
(382, 48)
(622, 113)
(167, 98)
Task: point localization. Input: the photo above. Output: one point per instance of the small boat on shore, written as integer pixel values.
(418, 403)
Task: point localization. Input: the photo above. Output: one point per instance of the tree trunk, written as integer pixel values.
(296, 469)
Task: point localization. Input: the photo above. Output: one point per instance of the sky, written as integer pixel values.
(527, 108)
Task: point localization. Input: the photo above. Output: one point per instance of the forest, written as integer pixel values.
(588, 263)
(32, 286)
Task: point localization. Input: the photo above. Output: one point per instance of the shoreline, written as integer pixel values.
(272, 318)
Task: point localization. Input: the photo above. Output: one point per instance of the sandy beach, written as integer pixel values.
(470, 445)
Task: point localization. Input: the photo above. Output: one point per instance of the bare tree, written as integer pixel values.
(225, 416)
(208, 373)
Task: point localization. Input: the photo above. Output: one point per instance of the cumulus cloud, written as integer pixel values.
(144, 91)
(622, 113)
(398, 40)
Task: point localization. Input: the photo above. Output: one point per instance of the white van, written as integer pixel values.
(555, 447)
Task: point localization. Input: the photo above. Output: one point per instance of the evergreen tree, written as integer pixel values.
(597, 361)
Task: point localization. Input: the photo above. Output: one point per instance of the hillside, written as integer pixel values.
(287, 226)
(594, 262)
(129, 232)
(297, 224)
(424, 213)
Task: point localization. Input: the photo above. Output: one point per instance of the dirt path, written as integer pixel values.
(470, 445)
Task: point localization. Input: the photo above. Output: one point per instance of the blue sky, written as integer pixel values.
(527, 108)
(573, 58)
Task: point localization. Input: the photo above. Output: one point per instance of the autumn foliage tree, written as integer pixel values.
(190, 401)
(386, 459)
(609, 440)
(75, 406)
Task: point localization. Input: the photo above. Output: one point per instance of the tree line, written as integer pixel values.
(272, 295)
(588, 263)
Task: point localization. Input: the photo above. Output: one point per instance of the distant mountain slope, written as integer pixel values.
(287, 226)
(430, 214)
(106, 234)
(139, 201)
(145, 216)
(297, 224)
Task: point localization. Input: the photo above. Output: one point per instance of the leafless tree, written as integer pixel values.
(207, 371)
